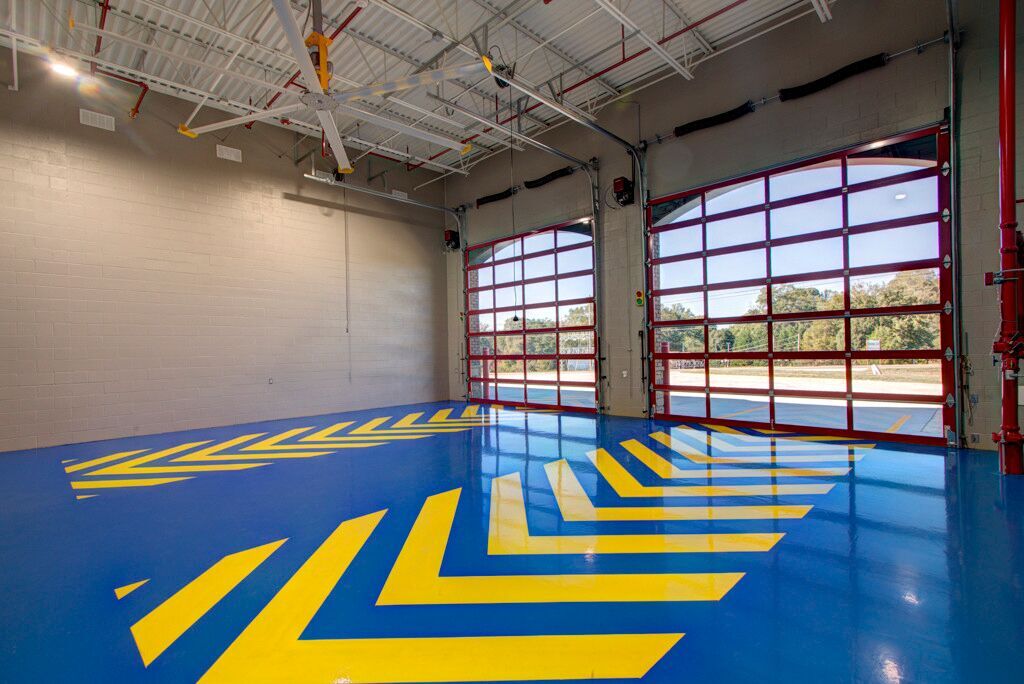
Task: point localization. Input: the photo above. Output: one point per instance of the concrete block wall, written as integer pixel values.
(909, 92)
(147, 286)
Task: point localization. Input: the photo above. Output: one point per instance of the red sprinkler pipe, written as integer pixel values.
(1008, 342)
(143, 88)
(602, 72)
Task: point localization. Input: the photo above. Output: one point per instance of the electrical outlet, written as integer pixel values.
(270, 381)
(625, 373)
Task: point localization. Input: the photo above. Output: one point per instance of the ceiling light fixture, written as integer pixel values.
(900, 196)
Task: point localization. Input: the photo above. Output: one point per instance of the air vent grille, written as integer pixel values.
(230, 153)
(95, 119)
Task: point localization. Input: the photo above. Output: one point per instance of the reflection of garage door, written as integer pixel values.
(531, 321)
(817, 294)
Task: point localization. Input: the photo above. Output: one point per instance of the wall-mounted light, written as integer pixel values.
(64, 69)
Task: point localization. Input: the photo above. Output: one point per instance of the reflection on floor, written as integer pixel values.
(446, 542)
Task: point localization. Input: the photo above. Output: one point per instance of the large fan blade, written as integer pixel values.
(298, 46)
(460, 147)
(334, 138)
(425, 78)
(228, 123)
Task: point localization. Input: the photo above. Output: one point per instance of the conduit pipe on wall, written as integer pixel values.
(1008, 342)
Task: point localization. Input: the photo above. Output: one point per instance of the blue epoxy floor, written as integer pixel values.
(910, 569)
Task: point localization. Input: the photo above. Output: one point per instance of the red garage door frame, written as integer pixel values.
(564, 377)
(660, 357)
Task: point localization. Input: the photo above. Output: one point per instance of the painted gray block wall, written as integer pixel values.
(147, 286)
(908, 93)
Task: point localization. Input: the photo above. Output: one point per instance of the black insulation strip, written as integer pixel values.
(852, 69)
(716, 120)
(544, 180)
(487, 199)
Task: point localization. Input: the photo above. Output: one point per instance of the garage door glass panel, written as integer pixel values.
(677, 241)
(836, 318)
(544, 352)
(726, 268)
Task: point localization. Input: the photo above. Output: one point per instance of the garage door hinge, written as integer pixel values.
(949, 354)
(950, 401)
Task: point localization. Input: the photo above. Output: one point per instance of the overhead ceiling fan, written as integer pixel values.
(311, 56)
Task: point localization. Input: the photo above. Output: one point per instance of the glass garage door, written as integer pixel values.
(815, 295)
(531, 319)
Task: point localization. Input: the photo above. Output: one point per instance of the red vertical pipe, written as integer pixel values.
(1008, 342)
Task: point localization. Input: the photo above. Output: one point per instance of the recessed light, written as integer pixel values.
(899, 196)
(65, 70)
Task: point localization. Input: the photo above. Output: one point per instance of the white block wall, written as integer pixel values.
(147, 286)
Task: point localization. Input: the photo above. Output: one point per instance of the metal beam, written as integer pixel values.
(657, 49)
(377, 193)
(822, 9)
(518, 136)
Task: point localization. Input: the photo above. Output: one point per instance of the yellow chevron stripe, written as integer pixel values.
(685, 449)
(136, 466)
(415, 578)
(510, 535)
(372, 428)
(85, 465)
(626, 486)
(215, 452)
(271, 647)
(666, 469)
(133, 482)
(163, 625)
(761, 444)
(576, 506)
(121, 592)
(273, 443)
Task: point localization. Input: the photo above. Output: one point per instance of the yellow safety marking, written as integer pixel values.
(274, 444)
(214, 452)
(68, 460)
(121, 592)
(779, 439)
(172, 618)
(668, 470)
(626, 486)
(409, 421)
(370, 427)
(509, 534)
(898, 424)
(785, 434)
(271, 648)
(328, 433)
(757, 443)
(101, 460)
(86, 496)
(415, 578)
(132, 482)
(685, 449)
(136, 466)
(725, 428)
(472, 410)
(576, 506)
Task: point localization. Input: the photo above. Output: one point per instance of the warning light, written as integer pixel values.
(639, 294)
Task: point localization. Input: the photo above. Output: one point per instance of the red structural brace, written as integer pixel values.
(1008, 341)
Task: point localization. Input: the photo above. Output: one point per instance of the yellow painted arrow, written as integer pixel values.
(576, 506)
(271, 648)
(686, 449)
(666, 469)
(137, 465)
(416, 579)
(510, 535)
(627, 486)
